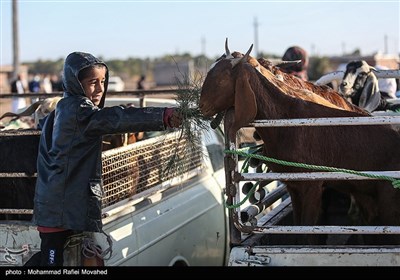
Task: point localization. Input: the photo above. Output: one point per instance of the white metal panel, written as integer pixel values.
(315, 256)
(187, 226)
(374, 120)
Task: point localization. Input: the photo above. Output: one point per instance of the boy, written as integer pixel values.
(69, 171)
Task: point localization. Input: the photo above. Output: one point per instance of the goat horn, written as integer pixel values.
(382, 74)
(327, 78)
(227, 51)
(248, 52)
(236, 61)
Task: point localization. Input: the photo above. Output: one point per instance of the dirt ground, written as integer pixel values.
(5, 106)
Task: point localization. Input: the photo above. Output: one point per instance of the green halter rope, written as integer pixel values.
(395, 182)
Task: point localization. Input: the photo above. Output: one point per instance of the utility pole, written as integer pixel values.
(312, 49)
(386, 44)
(15, 39)
(203, 46)
(255, 37)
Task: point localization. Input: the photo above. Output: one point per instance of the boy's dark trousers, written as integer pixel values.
(52, 247)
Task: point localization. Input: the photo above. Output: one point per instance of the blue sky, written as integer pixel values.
(148, 29)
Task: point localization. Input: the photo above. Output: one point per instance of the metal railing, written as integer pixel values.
(242, 217)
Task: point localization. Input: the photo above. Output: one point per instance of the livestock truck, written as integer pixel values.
(261, 228)
(151, 217)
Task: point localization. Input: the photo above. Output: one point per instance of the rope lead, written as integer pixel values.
(395, 182)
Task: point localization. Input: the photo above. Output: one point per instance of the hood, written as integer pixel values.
(296, 53)
(74, 63)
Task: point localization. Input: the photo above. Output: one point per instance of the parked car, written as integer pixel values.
(115, 83)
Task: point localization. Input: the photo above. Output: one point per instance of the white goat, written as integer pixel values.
(359, 84)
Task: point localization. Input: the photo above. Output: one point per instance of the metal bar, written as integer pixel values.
(19, 132)
(16, 211)
(328, 229)
(138, 93)
(348, 249)
(253, 210)
(17, 175)
(232, 187)
(373, 120)
(314, 176)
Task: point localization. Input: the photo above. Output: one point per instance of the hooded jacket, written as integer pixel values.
(69, 168)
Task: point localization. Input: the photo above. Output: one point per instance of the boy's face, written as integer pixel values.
(93, 84)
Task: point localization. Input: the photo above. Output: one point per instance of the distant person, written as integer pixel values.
(69, 182)
(56, 84)
(47, 85)
(17, 86)
(35, 87)
(34, 84)
(299, 69)
(141, 84)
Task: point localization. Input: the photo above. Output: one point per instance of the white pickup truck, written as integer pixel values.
(177, 219)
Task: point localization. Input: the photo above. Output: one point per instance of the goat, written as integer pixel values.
(38, 110)
(112, 141)
(257, 91)
(360, 85)
(46, 107)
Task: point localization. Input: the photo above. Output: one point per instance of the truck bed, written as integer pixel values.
(156, 211)
(262, 231)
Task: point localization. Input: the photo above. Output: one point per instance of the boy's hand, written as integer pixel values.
(172, 117)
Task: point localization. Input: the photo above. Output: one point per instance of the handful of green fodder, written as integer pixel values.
(194, 124)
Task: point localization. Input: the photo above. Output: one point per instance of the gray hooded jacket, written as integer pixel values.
(69, 184)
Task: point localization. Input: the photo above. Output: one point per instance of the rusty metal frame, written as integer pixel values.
(233, 177)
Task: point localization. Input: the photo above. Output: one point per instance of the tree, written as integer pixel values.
(317, 67)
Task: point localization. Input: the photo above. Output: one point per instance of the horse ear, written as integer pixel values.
(245, 103)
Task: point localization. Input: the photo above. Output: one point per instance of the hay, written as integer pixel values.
(194, 124)
(187, 98)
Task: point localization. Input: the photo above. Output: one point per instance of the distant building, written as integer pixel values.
(391, 61)
(6, 75)
(173, 73)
